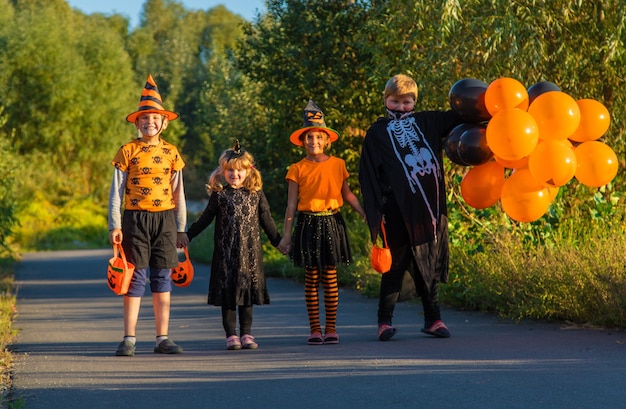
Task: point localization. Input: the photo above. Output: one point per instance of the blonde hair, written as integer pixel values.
(327, 142)
(399, 85)
(230, 159)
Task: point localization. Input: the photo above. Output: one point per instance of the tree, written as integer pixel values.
(301, 50)
(9, 167)
(65, 82)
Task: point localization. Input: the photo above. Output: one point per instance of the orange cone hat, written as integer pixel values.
(313, 120)
(151, 103)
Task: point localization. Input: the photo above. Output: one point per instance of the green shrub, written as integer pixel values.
(574, 272)
(78, 223)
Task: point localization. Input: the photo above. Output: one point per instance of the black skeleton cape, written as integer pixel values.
(403, 158)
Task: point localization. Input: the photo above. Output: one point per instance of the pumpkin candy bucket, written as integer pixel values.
(120, 271)
(182, 275)
(381, 256)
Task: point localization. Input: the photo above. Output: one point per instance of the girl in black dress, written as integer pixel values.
(239, 207)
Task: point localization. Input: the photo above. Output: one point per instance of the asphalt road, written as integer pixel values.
(70, 324)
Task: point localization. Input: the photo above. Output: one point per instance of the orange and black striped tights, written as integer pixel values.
(331, 298)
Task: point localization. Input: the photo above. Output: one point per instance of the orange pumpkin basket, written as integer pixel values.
(182, 275)
(119, 271)
(381, 256)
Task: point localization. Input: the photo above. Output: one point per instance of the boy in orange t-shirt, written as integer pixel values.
(148, 176)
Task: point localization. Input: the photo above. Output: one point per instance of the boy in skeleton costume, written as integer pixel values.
(402, 181)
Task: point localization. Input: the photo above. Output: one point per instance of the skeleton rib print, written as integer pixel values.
(417, 159)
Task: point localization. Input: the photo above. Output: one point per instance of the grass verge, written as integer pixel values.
(7, 333)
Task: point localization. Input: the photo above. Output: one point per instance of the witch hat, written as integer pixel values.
(151, 103)
(313, 119)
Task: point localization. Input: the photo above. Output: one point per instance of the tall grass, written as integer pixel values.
(567, 267)
(7, 332)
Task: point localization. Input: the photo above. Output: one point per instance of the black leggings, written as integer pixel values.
(390, 287)
(403, 261)
(229, 320)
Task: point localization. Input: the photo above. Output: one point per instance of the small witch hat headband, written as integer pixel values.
(151, 103)
(235, 152)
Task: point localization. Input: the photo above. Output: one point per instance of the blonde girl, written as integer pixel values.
(240, 209)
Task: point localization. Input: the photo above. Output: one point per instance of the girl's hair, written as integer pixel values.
(232, 159)
(401, 85)
(303, 136)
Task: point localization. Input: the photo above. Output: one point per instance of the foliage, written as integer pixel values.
(7, 332)
(56, 120)
(79, 223)
(9, 167)
(584, 284)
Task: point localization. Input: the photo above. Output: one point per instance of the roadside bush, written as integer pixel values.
(7, 332)
(572, 270)
(78, 223)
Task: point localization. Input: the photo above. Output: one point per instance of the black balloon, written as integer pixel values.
(473, 148)
(467, 98)
(452, 143)
(539, 88)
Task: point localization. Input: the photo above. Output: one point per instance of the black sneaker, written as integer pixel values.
(125, 348)
(167, 346)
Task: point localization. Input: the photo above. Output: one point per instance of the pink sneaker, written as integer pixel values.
(385, 332)
(438, 329)
(331, 338)
(233, 343)
(247, 342)
(315, 339)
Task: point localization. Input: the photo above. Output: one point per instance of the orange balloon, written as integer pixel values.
(505, 93)
(553, 192)
(512, 134)
(513, 164)
(553, 162)
(557, 115)
(522, 198)
(594, 121)
(597, 163)
(482, 184)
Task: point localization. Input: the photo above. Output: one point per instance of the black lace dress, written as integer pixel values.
(237, 277)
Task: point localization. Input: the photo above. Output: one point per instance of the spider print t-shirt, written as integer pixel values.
(149, 169)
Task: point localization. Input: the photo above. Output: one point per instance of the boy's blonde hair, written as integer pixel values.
(399, 85)
(230, 159)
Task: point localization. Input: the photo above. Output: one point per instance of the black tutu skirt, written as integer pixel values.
(320, 242)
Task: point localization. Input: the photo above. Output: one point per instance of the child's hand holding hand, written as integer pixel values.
(182, 240)
(284, 245)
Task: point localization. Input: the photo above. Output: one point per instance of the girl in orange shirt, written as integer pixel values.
(317, 189)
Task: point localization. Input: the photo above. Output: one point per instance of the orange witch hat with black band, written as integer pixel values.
(313, 119)
(151, 103)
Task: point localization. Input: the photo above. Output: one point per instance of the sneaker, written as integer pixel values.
(438, 329)
(386, 331)
(167, 346)
(315, 339)
(247, 342)
(233, 343)
(331, 338)
(125, 348)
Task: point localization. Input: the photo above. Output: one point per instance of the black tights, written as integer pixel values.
(229, 320)
(390, 287)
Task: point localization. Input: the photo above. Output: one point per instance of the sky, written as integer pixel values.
(132, 8)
